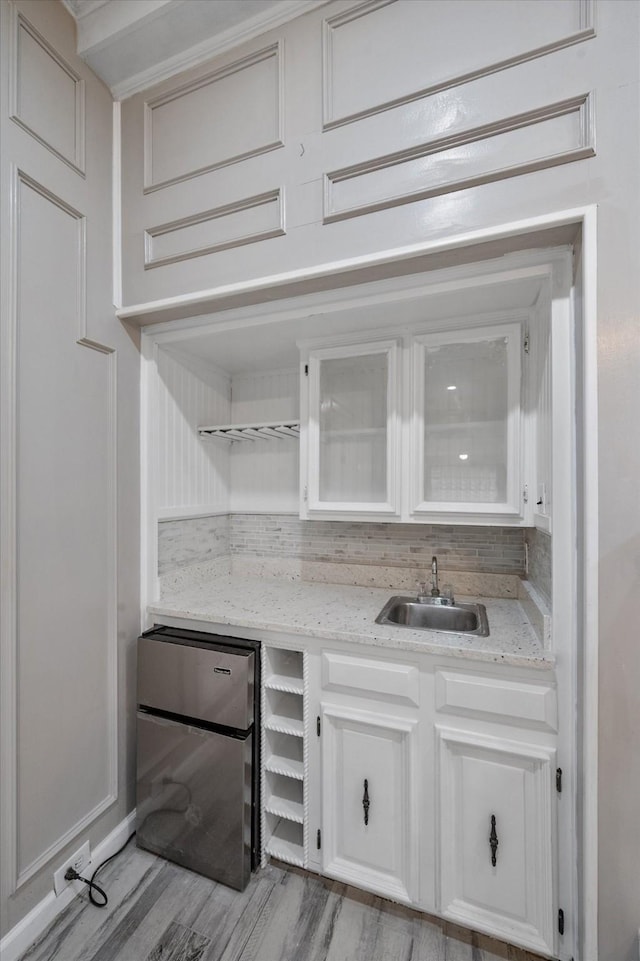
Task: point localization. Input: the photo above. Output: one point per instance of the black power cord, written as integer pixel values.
(72, 875)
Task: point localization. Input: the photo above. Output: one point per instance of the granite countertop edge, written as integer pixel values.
(336, 612)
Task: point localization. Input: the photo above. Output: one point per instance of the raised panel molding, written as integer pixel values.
(19, 873)
(370, 677)
(243, 106)
(245, 221)
(22, 180)
(491, 698)
(555, 134)
(395, 763)
(48, 105)
(366, 72)
(525, 770)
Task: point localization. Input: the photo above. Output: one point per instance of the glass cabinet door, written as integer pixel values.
(352, 435)
(467, 421)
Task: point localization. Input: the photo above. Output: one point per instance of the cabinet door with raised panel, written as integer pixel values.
(369, 800)
(497, 837)
(467, 422)
(351, 432)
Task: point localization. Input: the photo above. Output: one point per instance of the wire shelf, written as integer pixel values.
(279, 429)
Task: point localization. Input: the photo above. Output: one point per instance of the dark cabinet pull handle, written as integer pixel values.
(365, 801)
(493, 841)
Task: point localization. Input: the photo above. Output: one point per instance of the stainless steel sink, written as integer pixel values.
(432, 614)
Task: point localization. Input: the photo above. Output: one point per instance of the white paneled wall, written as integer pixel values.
(65, 520)
(356, 109)
(265, 473)
(192, 475)
(69, 490)
(404, 58)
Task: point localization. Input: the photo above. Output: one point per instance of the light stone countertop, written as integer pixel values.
(336, 612)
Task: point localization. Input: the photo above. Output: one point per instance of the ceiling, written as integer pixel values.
(276, 329)
(132, 44)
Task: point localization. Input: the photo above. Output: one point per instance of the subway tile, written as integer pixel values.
(478, 550)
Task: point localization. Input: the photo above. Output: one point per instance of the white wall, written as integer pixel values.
(200, 475)
(383, 125)
(190, 476)
(69, 459)
(265, 473)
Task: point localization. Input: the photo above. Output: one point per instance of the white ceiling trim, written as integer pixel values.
(91, 15)
(213, 46)
(82, 9)
(103, 25)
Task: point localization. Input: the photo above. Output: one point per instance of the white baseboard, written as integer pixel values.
(26, 931)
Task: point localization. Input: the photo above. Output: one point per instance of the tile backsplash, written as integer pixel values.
(539, 549)
(498, 550)
(192, 540)
(473, 560)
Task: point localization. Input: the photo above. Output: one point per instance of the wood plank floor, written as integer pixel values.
(158, 911)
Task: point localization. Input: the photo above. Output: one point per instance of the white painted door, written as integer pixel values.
(369, 835)
(467, 424)
(351, 435)
(497, 837)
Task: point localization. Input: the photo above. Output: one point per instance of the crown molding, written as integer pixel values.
(82, 8)
(115, 37)
(213, 46)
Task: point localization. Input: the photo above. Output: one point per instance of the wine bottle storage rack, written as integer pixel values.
(283, 756)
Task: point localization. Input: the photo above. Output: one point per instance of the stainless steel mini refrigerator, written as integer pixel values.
(197, 765)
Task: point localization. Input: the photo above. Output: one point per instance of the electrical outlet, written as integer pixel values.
(79, 861)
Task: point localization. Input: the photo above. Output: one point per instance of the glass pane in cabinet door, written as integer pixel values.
(353, 429)
(465, 422)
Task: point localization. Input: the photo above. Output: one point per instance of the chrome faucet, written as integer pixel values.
(444, 598)
(435, 590)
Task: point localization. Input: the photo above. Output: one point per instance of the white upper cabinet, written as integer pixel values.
(427, 399)
(424, 427)
(466, 425)
(350, 436)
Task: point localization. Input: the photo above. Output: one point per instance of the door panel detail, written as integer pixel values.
(497, 794)
(369, 764)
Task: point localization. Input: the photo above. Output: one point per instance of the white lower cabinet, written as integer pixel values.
(496, 836)
(369, 800)
(424, 782)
